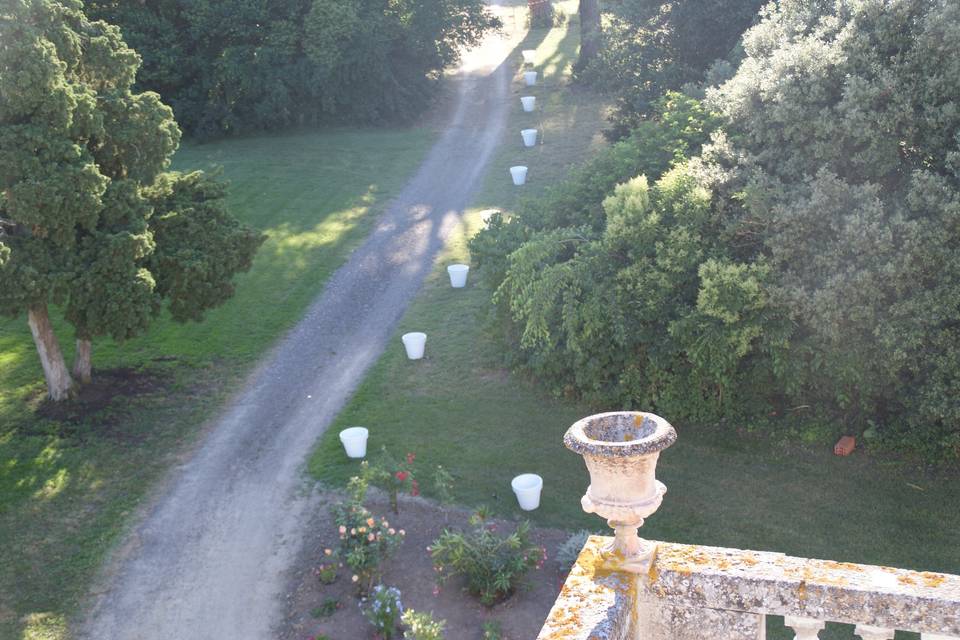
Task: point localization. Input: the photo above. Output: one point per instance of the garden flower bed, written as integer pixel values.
(318, 610)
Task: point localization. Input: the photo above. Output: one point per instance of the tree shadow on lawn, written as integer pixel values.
(102, 408)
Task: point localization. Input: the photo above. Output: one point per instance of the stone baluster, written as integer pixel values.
(804, 628)
(868, 632)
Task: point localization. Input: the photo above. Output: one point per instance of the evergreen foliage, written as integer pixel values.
(845, 125)
(804, 264)
(229, 66)
(88, 219)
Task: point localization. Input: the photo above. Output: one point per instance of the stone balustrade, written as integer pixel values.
(696, 593)
(625, 588)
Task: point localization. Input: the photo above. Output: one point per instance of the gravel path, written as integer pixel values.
(209, 557)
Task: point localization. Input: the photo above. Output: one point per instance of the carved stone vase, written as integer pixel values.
(621, 451)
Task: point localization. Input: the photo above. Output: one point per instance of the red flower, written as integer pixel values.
(411, 458)
(402, 476)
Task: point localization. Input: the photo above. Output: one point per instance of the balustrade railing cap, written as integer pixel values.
(620, 434)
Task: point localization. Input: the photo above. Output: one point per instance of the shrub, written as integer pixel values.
(681, 127)
(492, 564)
(365, 542)
(327, 571)
(491, 630)
(569, 551)
(392, 476)
(383, 609)
(850, 178)
(422, 626)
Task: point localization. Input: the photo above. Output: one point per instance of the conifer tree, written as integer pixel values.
(89, 221)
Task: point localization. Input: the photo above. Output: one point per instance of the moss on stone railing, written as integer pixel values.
(693, 592)
(632, 589)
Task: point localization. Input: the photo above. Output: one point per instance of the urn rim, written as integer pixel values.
(643, 433)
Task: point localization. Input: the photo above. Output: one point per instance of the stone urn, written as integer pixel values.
(621, 451)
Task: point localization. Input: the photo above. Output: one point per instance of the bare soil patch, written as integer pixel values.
(520, 616)
(103, 407)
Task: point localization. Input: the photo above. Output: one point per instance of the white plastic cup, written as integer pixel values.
(414, 343)
(529, 137)
(530, 77)
(528, 102)
(354, 441)
(527, 487)
(529, 55)
(458, 275)
(519, 175)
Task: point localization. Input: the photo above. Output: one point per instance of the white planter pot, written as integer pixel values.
(529, 137)
(529, 55)
(354, 441)
(530, 77)
(458, 275)
(527, 487)
(414, 343)
(519, 175)
(529, 103)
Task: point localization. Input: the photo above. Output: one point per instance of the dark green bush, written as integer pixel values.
(680, 127)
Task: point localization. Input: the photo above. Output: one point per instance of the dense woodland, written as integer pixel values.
(234, 66)
(774, 244)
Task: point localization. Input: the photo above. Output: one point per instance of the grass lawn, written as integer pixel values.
(569, 119)
(458, 407)
(66, 487)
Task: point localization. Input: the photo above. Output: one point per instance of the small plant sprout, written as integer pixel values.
(443, 485)
(422, 626)
(491, 630)
(327, 609)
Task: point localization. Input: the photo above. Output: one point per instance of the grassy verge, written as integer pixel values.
(67, 484)
(569, 119)
(460, 408)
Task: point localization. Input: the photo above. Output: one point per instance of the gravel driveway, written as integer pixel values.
(208, 558)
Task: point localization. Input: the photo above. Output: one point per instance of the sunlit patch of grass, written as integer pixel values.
(569, 119)
(556, 53)
(53, 486)
(283, 239)
(45, 626)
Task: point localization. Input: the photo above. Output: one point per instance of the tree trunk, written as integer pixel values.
(83, 362)
(54, 366)
(539, 9)
(590, 31)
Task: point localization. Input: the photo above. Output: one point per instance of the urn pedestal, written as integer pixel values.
(621, 450)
